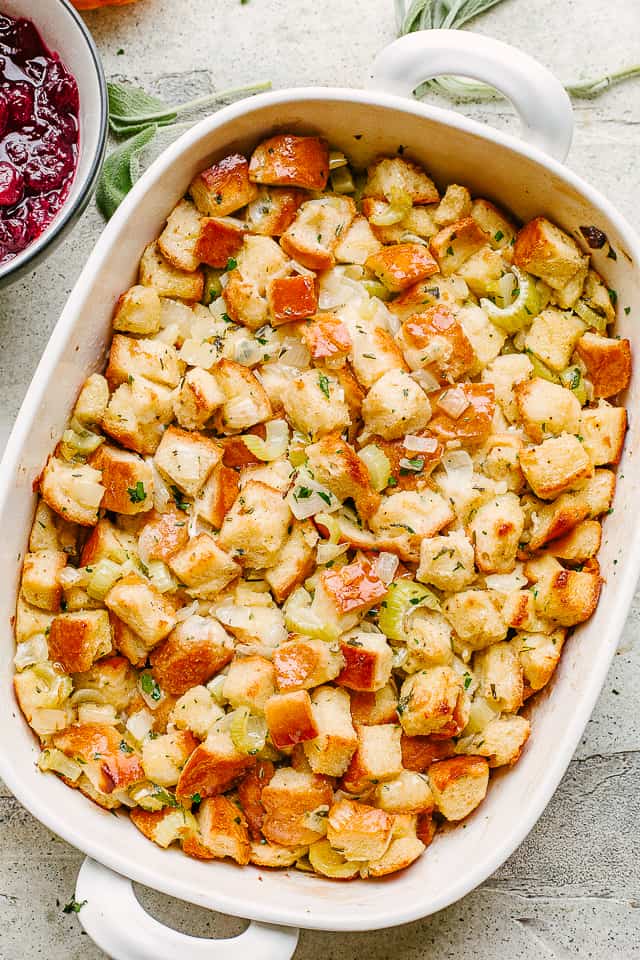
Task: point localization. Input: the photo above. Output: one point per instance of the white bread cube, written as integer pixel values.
(142, 607)
(454, 244)
(167, 280)
(273, 210)
(250, 682)
(194, 652)
(569, 596)
(603, 429)
(433, 701)
(504, 373)
(187, 458)
(539, 654)
(476, 617)
(486, 338)
(455, 204)
(224, 187)
(553, 337)
(164, 757)
(377, 757)
(138, 310)
(336, 740)
(137, 413)
(127, 480)
(500, 677)
(358, 831)
(421, 513)
(401, 853)
(580, 544)
(258, 507)
(303, 662)
(494, 222)
(314, 402)
(295, 560)
(77, 639)
(204, 567)
(314, 234)
(556, 465)
(608, 363)
(428, 639)
(395, 405)
(357, 243)
(519, 611)
(496, 529)
(391, 174)
(458, 785)
(447, 561)
(72, 490)
(44, 532)
(178, 240)
(288, 798)
(501, 742)
(374, 353)
(40, 585)
(246, 402)
(197, 399)
(501, 460)
(546, 251)
(482, 270)
(335, 464)
(197, 711)
(408, 793)
(546, 409)
(150, 359)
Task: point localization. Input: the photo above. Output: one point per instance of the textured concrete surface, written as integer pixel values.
(573, 888)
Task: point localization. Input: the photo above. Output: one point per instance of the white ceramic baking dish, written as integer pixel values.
(528, 178)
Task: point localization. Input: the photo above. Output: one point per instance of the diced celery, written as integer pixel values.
(376, 289)
(212, 286)
(572, 379)
(590, 317)
(540, 369)
(378, 465)
(342, 181)
(399, 206)
(248, 731)
(102, 577)
(402, 598)
(56, 760)
(521, 301)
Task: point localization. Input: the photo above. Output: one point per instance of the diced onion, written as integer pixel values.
(454, 402)
(86, 695)
(328, 552)
(72, 577)
(426, 380)
(248, 352)
(520, 301)
(402, 598)
(185, 612)
(399, 206)
(140, 724)
(240, 412)
(378, 465)
(248, 731)
(33, 650)
(342, 180)
(399, 657)
(481, 714)
(275, 444)
(295, 354)
(328, 862)
(308, 497)
(54, 687)
(459, 467)
(301, 269)
(162, 496)
(92, 712)
(385, 566)
(79, 443)
(420, 444)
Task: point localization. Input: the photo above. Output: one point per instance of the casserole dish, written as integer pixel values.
(519, 176)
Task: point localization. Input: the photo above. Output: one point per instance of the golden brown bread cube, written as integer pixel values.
(224, 187)
(418, 753)
(569, 596)
(499, 674)
(580, 544)
(314, 402)
(303, 663)
(187, 458)
(377, 757)
(501, 741)
(250, 682)
(556, 465)
(273, 210)
(327, 338)
(539, 654)
(223, 829)
(40, 584)
(401, 853)
(314, 234)
(195, 650)
(357, 243)
(476, 617)
(257, 507)
(98, 745)
(454, 244)
(493, 221)
(167, 280)
(358, 831)
(142, 607)
(546, 408)
(218, 495)
(336, 465)
(295, 560)
(496, 529)
(290, 718)
(379, 706)
(475, 422)
(407, 793)
(138, 310)
(77, 639)
(546, 251)
(164, 757)
(401, 265)
(287, 160)
(204, 567)
(603, 429)
(367, 661)
(608, 363)
(127, 480)
(218, 242)
(439, 342)
(433, 701)
(72, 490)
(150, 359)
(246, 402)
(336, 740)
(212, 767)
(287, 798)
(292, 298)
(391, 174)
(458, 785)
(163, 534)
(178, 240)
(136, 415)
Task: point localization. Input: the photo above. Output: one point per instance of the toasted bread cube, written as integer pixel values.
(495, 224)
(313, 236)
(377, 757)
(455, 204)
(392, 174)
(187, 458)
(539, 654)
(287, 799)
(113, 679)
(496, 529)
(246, 402)
(358, 831)
(546, 409)
(195, 650)
(128, 643)
(287, 160)
(197, 399)
(485, 337)
(608, 363)
(138, 311)
(204, 567)
(501, 742)
(218, 495)
(597, 493)
(380, 706)
(433, 701)
(603, 429)
(250, 682)
(418, 221)
(408, 793)
(250, 795)
(258, 263)
(142, 607)
(437, 341)
(519, 611)
(544, 250)
(40, 584)
(104, 763)
(77, 639)
(302, 663)
(177, 242)
(163, 758)
(429, 641)
(447, 561)
(273, 855)
(44, 532)
(395, 406)
(454, 244)
(167, 280)
(335, 464)
(459, 785)
(349, 591)
(476, 420)
(553, 337)
(218, 241)
(223, 830)
(327, 338)
(421, 513)
(212, 768)
(137, 413)
(258, 507)
(151, 359)
(290, 718)
(327, 862)
(163, 535)
(357, 243)
(401, 265)
(553, 520)
(292, 298)
(72, 490)
(580, 544)
(197, 711)
(505, 372)
(476, 618)
(273, 210)
(224, 187)
(373, 354)
(335, 741)
(502, 460)
(481, 270)
(367, 658)
(556, 465)
(295, 561)
(569, 596)
(500, 678)
(163, 827)
(418, 753)
(127, 480)
(314, 403)
(402, 852)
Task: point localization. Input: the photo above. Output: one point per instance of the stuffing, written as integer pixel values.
(377, 757)
(553, 336)
(194, 652)
(343, 595)
(203, 567)
(295, 560)
(454, 244)
(187, 458)
(40, 584)
(138, 311)
(428, 641)
(519, 611)
(331, 750)
(224, 187)
(250, 682)
(335, 464)
(501, 741)
(569, 596)
(374, 353)
(546, 409)
(455, 204)
(315, 403)
(547, 252)
(603, 429)
(482, 270)
(357, 243)
(314, 234)
(447, 561)
(127, 480)
(218, 495)
(165, 826)
(392, 174)
(286, 160)
(407, 793)
(289, 797)
(476, 617)
(79, 638)
(495, 224)
(213, 767)
(580, 544)
(539, 654)
(556, 465)
(379, 706)
(496, 530)
(167, 280)
(142, 608)
(292, 298)
(420, 514)
(197, 711)
(438, 342)
(197, 399)
(290, 718)
(458, 785)
(395, 405)
(505, 372)
(162, 535)
(486, 338)
(250, 796)
(367, 661)
(97, 746)
(433, 701)
(607, 361)
(164, 757)
(401, 265)
(136, 415)
(327, 338)
(500, 678)
(418, 221)
(72, 490)
(178, 240)
(418, 753)
(223, 829)
(258, 507)
(273, 210)
(302, 663)
(500, 459)
(474, 423)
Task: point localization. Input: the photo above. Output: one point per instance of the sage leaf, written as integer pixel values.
(121, 170)
(131, 106)
(589, 89)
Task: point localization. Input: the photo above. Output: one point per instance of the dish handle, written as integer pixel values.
(537, 96)
(119, 925)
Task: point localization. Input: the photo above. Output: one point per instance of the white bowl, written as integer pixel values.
(527, 181)
(65, 33)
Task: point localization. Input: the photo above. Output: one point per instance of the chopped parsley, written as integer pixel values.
(73, 906)
(613, 296)
(137, 494)
(232, 263)
(498, 236)
(302, 493)
(179, 500)
(150, 687)
(467, 680)
(323, 383)
(324, 496)
(124, 746)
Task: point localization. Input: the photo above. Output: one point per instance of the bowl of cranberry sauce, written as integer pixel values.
(53, 124)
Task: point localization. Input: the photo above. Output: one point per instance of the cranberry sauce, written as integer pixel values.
(38, 135)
